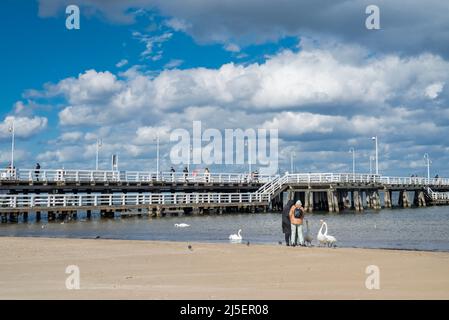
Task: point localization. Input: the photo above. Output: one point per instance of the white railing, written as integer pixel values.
(63, 175)
(420, 181)
(125, 200)
(263, 194)
(438, 195)
(273, 186)
(278, 183)
(325, 178)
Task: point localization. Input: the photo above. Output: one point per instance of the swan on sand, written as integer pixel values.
(324, 238)
(182, 225)
(237, 236)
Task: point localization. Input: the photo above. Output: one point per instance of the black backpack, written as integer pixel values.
(298, 213)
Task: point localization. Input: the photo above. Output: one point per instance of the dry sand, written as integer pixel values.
(33, 268)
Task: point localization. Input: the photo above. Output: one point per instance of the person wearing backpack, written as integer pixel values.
(296, 219)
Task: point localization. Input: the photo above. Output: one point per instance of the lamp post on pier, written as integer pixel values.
(292, 155)
(428, 162)
(190, 156)
(377, 154)
(99, 145)
(157, 155)
(352, 150)
(13, 131)
(248, 144)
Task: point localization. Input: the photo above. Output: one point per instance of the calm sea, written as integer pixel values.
(415, 228)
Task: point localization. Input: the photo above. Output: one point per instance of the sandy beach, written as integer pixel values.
(33, 268)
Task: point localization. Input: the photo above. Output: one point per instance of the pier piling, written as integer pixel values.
(387, 199)
(419, 199)
(404, 199)
(358, 203)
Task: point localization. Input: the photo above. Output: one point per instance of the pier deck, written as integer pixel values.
(92, 190)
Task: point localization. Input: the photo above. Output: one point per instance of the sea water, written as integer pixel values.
(412, 228)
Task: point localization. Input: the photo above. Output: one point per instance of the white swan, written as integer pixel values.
(321, 237)
(182, 225)
(330, 240)
(237, 236)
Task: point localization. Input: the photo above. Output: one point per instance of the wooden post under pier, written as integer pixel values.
(358, 203)
(419, 199)
(387, 198)
(368, 199)
(332, 200)
(404, 199)
(346, 201)
(159, 211)
(374, 200)
(308, 201)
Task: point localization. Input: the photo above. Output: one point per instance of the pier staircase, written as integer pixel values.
(274, 187)
(437, 197)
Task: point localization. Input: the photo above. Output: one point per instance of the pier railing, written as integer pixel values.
(278, 182)
(414, 181)
(435, 196)
(63, 175)
(67, 201)
(364, 179)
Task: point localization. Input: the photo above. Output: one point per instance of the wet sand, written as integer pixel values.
(34, 268)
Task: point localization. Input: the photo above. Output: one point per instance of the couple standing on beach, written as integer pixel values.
(292, 219)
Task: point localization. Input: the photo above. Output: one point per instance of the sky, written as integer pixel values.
(309, 69)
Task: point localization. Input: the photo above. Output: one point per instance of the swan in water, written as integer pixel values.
(237, 236)
(308, 236)
(182, 225)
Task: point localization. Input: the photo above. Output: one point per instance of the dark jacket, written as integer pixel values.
(286, 226)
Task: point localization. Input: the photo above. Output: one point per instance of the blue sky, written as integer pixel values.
(320, 78)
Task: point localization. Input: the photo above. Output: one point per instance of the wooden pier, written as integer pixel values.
(126, 193)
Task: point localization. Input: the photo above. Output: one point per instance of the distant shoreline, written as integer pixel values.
(34, 268)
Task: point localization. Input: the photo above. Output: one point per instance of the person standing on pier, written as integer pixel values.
(286, 224)
(256, 176)
(296, 218)
(172, 173)
(186, 173)
(37, 171)
(207, 174)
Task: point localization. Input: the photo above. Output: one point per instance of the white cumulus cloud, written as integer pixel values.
(24, 127)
